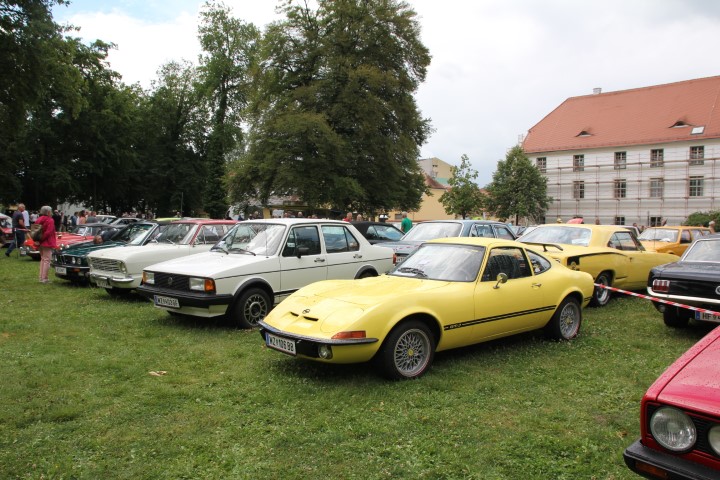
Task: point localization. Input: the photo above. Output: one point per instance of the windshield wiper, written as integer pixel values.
(242, 250)
(416, 271)
(219, 247)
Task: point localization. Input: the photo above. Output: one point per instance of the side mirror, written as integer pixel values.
(501, 278)
(302, 251)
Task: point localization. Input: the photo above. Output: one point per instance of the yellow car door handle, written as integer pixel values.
(537, 285)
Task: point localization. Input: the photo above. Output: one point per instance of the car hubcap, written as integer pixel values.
(255, 309)
(602, 294)
(411, 352)
(569, 321)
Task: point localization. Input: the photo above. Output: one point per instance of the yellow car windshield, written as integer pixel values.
(446, 262)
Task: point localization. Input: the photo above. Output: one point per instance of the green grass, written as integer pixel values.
(78, 400)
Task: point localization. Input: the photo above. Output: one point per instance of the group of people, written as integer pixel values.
(48, 239)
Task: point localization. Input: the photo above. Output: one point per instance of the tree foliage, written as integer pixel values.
(229, 47)
(334, 120)
(464, 197)
(518, 189)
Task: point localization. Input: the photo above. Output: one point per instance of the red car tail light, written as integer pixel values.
(661, 286)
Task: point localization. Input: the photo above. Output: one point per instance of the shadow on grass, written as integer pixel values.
(359, 373)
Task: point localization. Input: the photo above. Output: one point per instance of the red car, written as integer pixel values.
(680, 418)
(6, 231)
(79, 233)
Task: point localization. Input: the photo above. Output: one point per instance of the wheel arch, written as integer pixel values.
(430, 321)
(365, 270)
(253, 283)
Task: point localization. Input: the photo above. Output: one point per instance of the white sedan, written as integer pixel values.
(258, 264)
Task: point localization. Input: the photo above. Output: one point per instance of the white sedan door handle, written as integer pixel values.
(319, 260)
(357, 255)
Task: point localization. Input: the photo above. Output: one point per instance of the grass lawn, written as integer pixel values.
(78, 399)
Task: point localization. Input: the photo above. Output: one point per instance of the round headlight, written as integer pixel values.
(673, 429)
(714, 439)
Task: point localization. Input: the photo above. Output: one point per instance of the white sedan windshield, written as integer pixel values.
(257, 238)
(453, 263)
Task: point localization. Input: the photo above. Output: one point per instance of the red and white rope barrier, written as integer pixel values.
(658, 300)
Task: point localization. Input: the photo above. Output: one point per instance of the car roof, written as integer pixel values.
(479, 241)
(205, 221)
(681, 227)
(606, 228)
(465, 220)
(296, 221)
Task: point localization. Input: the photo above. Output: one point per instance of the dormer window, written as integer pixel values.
(584, 133)
(680, 124)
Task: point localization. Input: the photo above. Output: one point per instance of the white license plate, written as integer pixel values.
(166, 301)
(61, 270)
(707, 317)
(102, 282)
(279, 343)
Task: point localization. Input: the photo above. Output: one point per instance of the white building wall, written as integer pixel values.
(599, 175)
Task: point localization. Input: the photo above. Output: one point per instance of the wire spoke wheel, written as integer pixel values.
(411, 352)
(569, 320)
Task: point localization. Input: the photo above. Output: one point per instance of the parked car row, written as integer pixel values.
(320, 291)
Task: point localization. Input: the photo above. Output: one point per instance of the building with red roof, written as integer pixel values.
(644, 155)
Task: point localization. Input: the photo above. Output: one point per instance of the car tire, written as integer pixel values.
(367, 274)
(565, 322)
(408, 351)
(674, 318)
(117, 291)
(252, 306)
(601, 296)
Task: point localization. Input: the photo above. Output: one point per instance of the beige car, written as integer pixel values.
(673, 239)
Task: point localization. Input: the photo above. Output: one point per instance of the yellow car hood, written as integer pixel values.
(333, 305)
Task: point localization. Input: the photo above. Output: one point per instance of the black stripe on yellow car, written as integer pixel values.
(495, 318)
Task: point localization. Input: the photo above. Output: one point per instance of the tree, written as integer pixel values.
(464, 197)
(225, 70)
(517, 189)
(173, 141)
(334, 119)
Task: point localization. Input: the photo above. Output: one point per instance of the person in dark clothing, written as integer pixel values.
(19, 228)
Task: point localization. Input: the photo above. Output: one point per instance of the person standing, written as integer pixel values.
(405, 223)
(82, 218)
(19, 226)
(48, 242)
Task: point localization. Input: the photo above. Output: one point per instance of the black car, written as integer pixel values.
(71, 263)
(378, 232)
(694, 280)
(433, 229)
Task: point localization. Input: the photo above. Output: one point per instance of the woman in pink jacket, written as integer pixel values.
(48, 243)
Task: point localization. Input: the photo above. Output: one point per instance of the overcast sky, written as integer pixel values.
(498, 66)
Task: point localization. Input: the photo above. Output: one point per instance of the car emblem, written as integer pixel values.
(307, 310)
(717, 290)
(170, 280)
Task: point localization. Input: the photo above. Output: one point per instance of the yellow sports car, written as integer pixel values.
(449, 293)
(611, 254)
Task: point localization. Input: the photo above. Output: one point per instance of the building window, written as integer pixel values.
(578, 163)
(657, 187)
(696, 155)
(656, 221)
(657, 157)
(695, 186)
(620, 160)
(541, 164)
(620, 190)
(619, 220)
(579, 190)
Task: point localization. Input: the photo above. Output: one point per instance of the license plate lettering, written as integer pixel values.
(61, 270)
(102, 282)
(166, 302)
(281, 344)
(707, 317)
